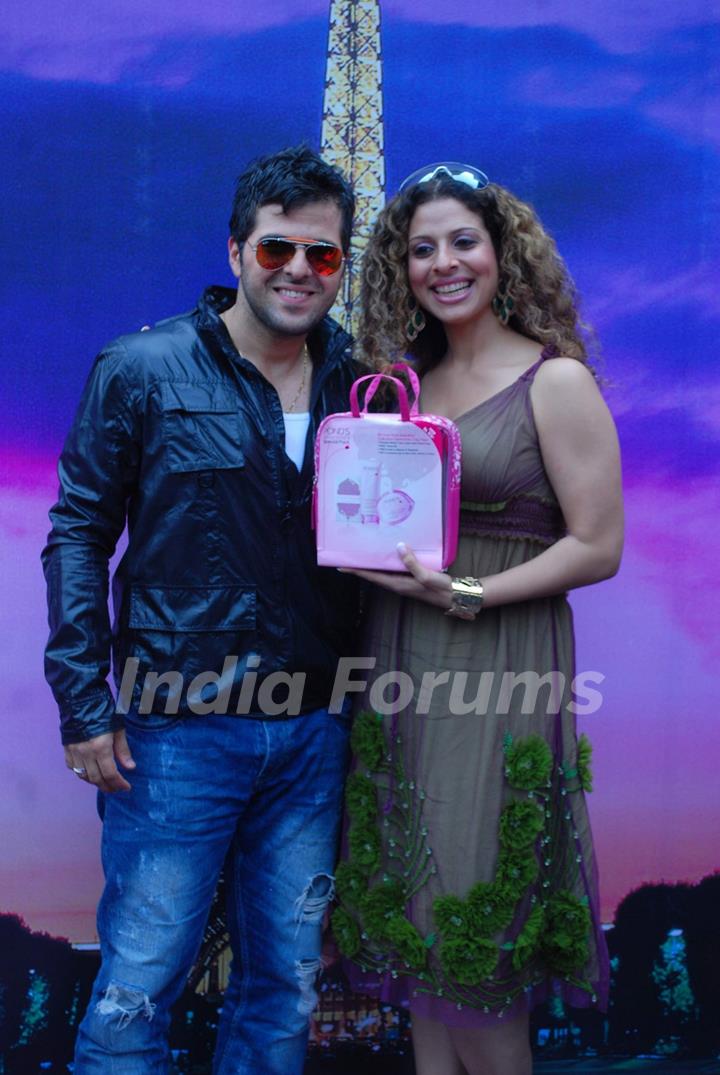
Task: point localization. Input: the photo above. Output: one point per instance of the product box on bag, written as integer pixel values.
(385, 478)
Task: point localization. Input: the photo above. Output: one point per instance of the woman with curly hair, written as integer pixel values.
(469, 885)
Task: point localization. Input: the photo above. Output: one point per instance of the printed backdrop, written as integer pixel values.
(124, 125)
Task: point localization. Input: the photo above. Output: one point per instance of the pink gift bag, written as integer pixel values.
(385, 478)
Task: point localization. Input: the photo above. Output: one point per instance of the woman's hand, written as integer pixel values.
(423, 584)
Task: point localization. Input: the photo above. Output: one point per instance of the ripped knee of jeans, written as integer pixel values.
(311, 904)
(307, 971)
(126, 1002)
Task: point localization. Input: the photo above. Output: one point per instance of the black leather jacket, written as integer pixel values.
(183, 438)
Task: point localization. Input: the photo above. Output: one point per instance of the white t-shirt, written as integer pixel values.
(296, 427)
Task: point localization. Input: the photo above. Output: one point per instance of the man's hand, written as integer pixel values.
(94, 760)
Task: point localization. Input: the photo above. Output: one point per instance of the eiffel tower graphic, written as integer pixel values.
(352, 138)
(352, 130)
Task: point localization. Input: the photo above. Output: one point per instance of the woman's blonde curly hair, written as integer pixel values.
(531, 272)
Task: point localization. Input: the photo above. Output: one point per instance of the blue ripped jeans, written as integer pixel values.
(261, 797)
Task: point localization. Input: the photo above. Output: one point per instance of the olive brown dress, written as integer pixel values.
(468, 883)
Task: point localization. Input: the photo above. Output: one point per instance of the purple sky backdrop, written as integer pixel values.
(75, 42)
(131, 122)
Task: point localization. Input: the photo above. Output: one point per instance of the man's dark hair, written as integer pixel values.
(291, 178)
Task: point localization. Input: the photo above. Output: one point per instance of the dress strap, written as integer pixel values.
(550, 351)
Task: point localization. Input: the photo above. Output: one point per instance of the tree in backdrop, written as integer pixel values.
(44, 988)
(702, 940)
(666, 967)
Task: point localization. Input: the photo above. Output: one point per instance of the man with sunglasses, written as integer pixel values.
(220, 749)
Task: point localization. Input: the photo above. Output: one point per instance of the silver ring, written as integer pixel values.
(79, 772)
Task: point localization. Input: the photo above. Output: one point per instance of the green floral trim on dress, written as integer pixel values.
(368, 741)
(582, 772)
(505, 935)
(528, 762)
(528, 940)
(408, 942)
(517, 869)
(468, 960)
(521, 823)
(361, 799)
(492, 906)
(347, 933)
(350, 883)
(584, 762)
(381, 903)
(364, 841)
(565, 941)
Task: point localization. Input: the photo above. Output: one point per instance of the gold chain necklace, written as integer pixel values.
(301, 389)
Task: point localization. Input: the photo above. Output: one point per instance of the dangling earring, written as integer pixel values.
(503, 306)
(416, 321)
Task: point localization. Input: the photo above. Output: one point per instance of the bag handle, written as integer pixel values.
(376, 378)
(404, 367)
(401, 367)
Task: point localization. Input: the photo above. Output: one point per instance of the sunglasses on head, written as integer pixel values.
(461, 173)
(274, 251)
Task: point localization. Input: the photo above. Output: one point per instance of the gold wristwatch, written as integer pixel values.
(467, 598)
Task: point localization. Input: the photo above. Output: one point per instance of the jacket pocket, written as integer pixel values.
(192, 609)
(200, 426)
(179, 632)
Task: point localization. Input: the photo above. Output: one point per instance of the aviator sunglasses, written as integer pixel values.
(274, 251)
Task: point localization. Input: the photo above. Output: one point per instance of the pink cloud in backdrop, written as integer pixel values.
(675, 533)
(51, 869)
(656, 808)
